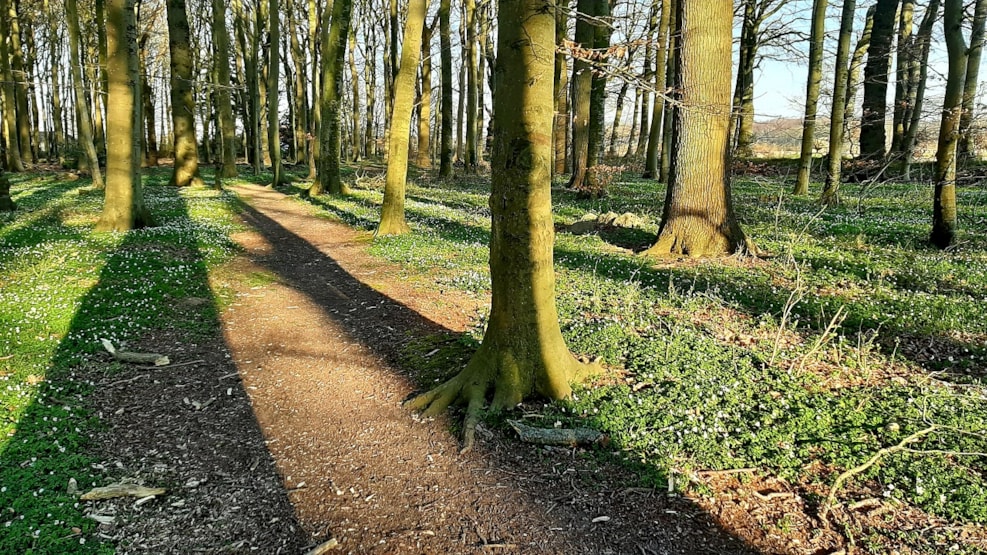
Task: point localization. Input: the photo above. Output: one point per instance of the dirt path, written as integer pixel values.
(315, 333)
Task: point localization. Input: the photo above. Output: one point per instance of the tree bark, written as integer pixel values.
(834, 168)
(944, 200)
(224, 107)
(472, 84)
(445, 48)
(918, 74)
(972, 77)
(651, 161)
(273, 96)
(582, 85)
(57, 149)
(817, 37)
(85, 131)
(123, 207)
(392, 220)
(873, 136)
(21, 81)
(698, 218)
(186, 171)
(14, 160)
(905, 51)
(424, 158)
(522, 352)
(334, 36)
(357, 136)
(560, 129)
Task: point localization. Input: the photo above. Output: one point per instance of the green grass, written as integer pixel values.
(62, 288)
(708, 372)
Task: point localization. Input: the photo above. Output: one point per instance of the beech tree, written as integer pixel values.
(186, 169)
(84, 128)
(873, 136)
(123, 207)
(971, 78)
(698, 218)
(14, 159)
(222, 82)
(944, 200)
(334, 37)
(392, 220)
(817, 36)
(522, 352)
(834, 168)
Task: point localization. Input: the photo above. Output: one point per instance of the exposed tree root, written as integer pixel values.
(511, 381)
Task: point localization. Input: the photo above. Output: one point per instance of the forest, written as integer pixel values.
(524, 276)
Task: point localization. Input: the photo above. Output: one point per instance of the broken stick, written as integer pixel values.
(569, 437)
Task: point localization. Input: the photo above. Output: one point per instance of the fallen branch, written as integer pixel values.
(120, 490)
(901, 446)
(570, 437)
(137, 358)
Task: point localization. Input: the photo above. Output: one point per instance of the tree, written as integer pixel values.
(334, 36)
(424, 158)
(85, 130)
(902, 85)
(522, 352)
(581, 91)
(817, 37)
(651, 162)
(918, 71)
(873, 136)
(972, 75)
(560, 129)
(392, 220)
(698, 218)
(471, 155)
(445, 62)
(21, 81)
(834, 168)
(186, 170)
(273, 96)
(14, 160)
(944, 200)
(123, 207)
(224, 107)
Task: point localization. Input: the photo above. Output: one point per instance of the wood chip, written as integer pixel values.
(324, 547)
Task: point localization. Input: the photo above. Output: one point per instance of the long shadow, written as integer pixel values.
(388, 328)
(95, 420)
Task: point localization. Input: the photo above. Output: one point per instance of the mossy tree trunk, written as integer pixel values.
(905, 49)
(85, 130)
(356, 138)
(593, 185)
(651, 161)
(299, 98)
(944, 201)
(972, 77)
(123, 207)
(334, 35)
(918, 75)
(392, 220)
(671, 79)
(470, 155)
(873, 135)
(834, 168)
(743, 95)
(445, 61)
(14, 160)
(186, 171)
(57, 149)
(224, 106)
(698, 218)
(817, 36)
(424, 157)
(853, 74)
(523, 352)
(147, 99)
(560, 130)
(21, 82)
(582, 86)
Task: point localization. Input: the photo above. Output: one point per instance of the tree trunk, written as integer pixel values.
(424, 159)
(357, 137)
(617, 113)
(445, 46)
(944, 201)
(123, 208)
(55, 60)
(830, 193)
(853, 73)
(918, 74)
(472, 84)
(85, 131)
(654, 132)
(221, 59)
(300, 98)
(14, 159)
(972, 76)
(817, 37)
(698, 218)
(99, 81)
(21, 81)
(905, 50)
(582, 85)
(873, 136)
(560, 129)
(334, 36)
(147, 100)
(273, 96)
(593, 185)
(523, 351)
(669, 121)
(186, 170)
(392, 220)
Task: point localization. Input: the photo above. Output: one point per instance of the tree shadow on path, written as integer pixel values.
(327, 369)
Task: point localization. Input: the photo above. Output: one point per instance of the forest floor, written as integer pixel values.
(316, 332)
